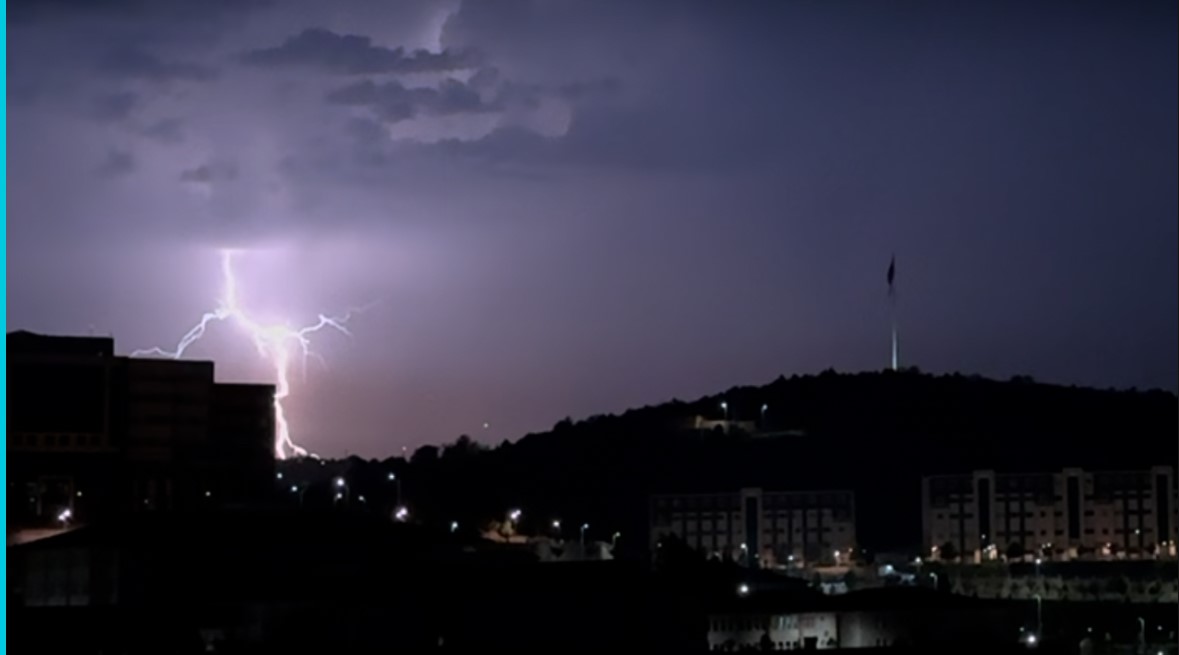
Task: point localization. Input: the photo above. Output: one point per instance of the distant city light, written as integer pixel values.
(340, 482)
(360, 498)
(65, 515)
(208, 493)
(391, 477)
(556, 525)
(453, 526)
(514, 515)
(294, 488)
(401, 514)
(79, 493)
(278, 475)
(742, 589)
(339, 496)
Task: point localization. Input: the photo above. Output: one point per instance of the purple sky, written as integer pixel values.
(567, 208)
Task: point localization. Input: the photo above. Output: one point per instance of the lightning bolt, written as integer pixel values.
(275, 343)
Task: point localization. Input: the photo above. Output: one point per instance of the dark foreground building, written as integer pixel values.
(92, 435)
(261, 581)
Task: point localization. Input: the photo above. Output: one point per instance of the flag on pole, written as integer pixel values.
(892, 272)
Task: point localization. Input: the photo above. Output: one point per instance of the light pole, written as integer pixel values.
(614, 540)
(584, 527)
(392, 477)
(764, 407)
(1039, 615)
(725, 408)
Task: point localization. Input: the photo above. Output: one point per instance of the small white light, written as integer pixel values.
(392, 476)
(743, 589)
(361, 498)
(453, 526)
(79, 493)
(556, 525)
(339, 482)
(339, 495)
(294, 488)
(208, 494)
(278, 475)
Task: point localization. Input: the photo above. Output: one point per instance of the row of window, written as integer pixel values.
(35, 440)
(692, 530)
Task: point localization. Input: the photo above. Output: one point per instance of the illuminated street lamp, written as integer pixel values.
(764, 407)
(401, 515)
(453, 526)
(584, 527)
(65, 515)
(556, 524)
(340, 483)
(514, 515)
(742, 589)
(725, 408)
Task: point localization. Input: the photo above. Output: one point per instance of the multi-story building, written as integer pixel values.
(91, 434)
(760, 528)
(1068, 514)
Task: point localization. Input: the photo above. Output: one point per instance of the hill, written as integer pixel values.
(874, 433)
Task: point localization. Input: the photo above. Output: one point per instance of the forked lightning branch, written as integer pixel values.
(277, 343)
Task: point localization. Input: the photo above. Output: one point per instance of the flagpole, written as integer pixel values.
(892, 296)
(892, 304)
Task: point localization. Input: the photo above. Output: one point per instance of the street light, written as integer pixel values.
(401, 514)
(614, 539)
(453, 526)
(764, 407)
(742, 589)
(514, 515)
(556, 524)
(584, 527)
(340, 483)
(725, 408)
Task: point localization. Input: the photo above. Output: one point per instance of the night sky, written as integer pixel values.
(569, 208)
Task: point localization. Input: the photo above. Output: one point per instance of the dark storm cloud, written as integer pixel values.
(353, 55)
(168, 130)
(117, 163)
(393, 102)
(114, 107)
(208, 173)
(134, 63)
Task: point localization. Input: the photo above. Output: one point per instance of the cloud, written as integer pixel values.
(168, 130)
(351, 54)
(393, 102)
(114, 107)
(117, 163)
(208, 173)
(134, 63)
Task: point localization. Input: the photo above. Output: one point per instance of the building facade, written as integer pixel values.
(1067, 514)
(91, 434)
(760, 528)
